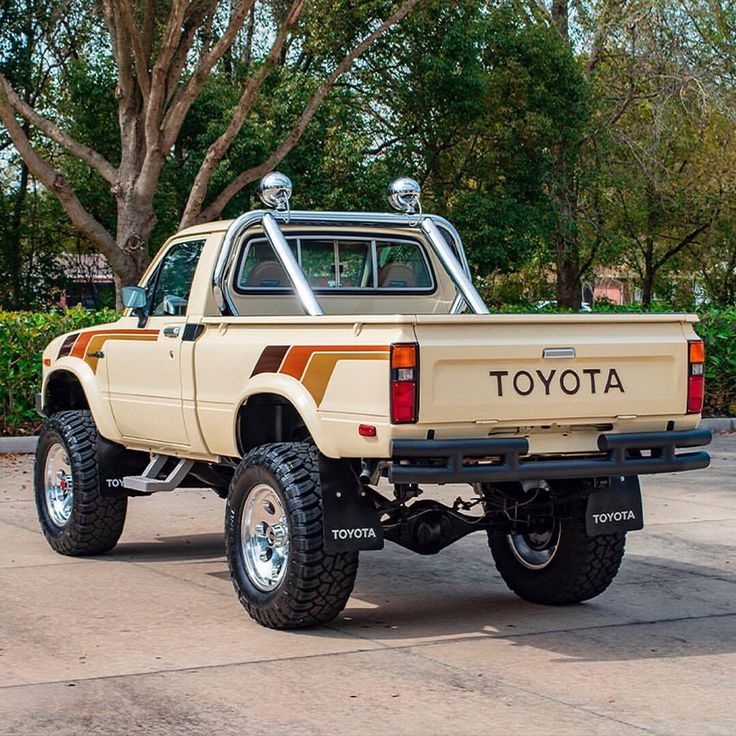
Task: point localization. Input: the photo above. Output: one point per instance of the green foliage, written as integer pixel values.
(482, 100)
(718, 330)
(23, 337)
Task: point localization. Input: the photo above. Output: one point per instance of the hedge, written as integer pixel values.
(718, 330)
(23, 336)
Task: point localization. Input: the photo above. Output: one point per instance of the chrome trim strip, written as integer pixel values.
(454, 267)
(557, 353)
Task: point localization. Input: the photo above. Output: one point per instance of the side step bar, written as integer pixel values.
(149, 481)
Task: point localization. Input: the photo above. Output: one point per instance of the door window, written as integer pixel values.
(168, 289)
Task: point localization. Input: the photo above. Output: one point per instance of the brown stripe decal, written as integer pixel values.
(81, 345)
(314, 365)
(270, 360)
(67, 345)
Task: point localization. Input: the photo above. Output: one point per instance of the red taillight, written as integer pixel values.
(404, 376)
(695, 376)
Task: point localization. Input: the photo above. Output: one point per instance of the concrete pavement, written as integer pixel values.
(150, 638)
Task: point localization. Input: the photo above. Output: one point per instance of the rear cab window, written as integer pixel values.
(338, 265)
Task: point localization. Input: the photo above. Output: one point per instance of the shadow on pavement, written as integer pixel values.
(658, 607)
(170, 549)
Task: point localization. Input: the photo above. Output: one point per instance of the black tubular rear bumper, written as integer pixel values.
(489, 459)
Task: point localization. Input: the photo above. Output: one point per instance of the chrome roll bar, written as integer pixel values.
(456, 270)
(453, 258)
(296, 275)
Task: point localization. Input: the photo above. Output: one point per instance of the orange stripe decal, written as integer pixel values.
(93, 341)
(80, 346)
(322, 366)
(298, 356)
(314, 365)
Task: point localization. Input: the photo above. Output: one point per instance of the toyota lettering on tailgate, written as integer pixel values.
(570, 382)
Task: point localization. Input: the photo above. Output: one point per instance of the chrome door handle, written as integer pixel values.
(172, 331)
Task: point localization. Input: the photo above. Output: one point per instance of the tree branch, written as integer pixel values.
(295, 134)
(52, 131)
(160, 73)
(55, 182)
(185, 97)
(120, 51)
(191, 25)
(149, 26)
(139, 55)
(689, 238)
(220, 146)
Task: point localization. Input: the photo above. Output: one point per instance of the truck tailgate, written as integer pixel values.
(492, 368)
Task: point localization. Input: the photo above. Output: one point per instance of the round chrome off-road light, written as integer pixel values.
(275, 190)
(403, 195)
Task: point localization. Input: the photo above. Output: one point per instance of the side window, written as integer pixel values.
(168, 288)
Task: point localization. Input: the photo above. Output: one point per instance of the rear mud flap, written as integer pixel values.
(615, 508)
(349, 518)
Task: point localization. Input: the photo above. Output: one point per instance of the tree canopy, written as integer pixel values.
(561, 141)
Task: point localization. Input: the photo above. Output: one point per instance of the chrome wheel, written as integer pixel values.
(58, 485)
(535, 550)
(264, 536)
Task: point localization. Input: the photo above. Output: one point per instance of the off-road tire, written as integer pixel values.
(96, 521)
(582, 567)
(316, 585)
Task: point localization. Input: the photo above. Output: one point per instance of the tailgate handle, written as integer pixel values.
(558, 353)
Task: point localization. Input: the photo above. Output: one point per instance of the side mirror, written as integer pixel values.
(133, 297)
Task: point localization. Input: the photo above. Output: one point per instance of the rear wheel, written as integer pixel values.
(273, 536)
(75, 518)
(558, 563)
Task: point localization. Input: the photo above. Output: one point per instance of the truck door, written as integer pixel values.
(144, 376)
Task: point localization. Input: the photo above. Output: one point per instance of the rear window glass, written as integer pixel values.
(329, 264)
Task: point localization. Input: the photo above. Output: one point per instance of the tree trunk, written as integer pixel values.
(136, 220)
(15, 257)
(569, 284)
(569, 287)
(647, 284)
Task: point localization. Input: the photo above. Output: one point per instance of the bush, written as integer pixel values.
(23, 336)
(718, 330)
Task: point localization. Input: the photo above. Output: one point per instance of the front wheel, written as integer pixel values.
(558, 563)
(75, 517)
(273, 537)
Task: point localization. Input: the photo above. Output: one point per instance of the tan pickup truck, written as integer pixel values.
(322, 370)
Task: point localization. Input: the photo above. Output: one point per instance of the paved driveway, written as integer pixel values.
(150, 639)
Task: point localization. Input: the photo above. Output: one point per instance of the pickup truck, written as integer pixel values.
(323, 370)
